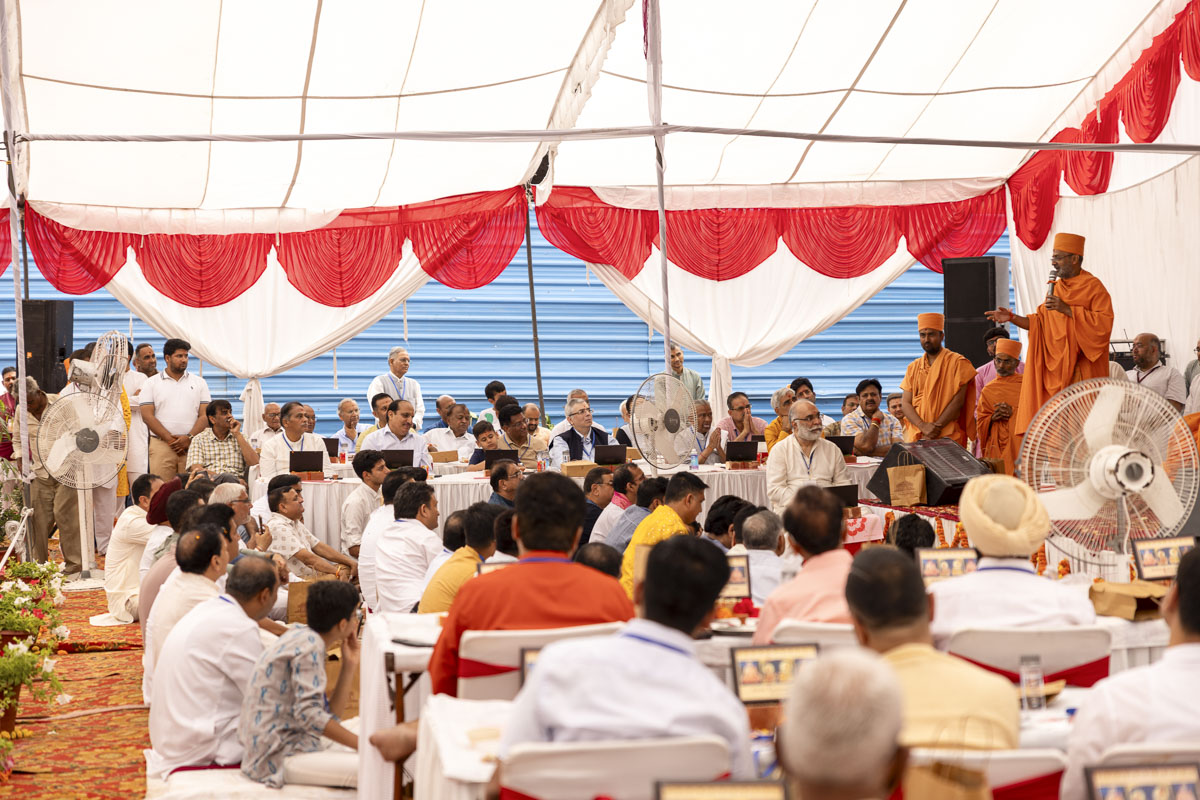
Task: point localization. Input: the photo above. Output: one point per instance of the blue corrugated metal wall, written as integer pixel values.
(460, 340)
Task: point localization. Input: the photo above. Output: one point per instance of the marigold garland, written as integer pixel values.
(1064, 568)
(960, 536)
(1040, 560)
(941, 534)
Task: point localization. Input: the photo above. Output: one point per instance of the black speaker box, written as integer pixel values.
(948, 467)
(49, 336)
(972, 287)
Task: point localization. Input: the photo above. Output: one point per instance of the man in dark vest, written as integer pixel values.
(581, 439)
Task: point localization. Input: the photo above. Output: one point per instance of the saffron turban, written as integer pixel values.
(1069, 243)
(931, 320)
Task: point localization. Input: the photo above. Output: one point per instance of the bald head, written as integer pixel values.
(1147, 349)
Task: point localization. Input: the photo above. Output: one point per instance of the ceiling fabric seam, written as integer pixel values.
(412, 53)
(312, 51)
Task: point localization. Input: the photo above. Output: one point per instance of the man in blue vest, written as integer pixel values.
(581, 439)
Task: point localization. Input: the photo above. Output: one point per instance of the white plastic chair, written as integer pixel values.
(1060, 648)
(502, 650)
(622, 770)
(1151, 753)
(828, 635)
(1002, 767)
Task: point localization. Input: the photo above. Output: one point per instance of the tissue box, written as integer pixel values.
(578, 469)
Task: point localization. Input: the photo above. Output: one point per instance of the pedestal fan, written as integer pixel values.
(663, 420)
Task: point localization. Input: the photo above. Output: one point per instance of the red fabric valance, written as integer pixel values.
(202, 271)
(74, 261)
(342, 266)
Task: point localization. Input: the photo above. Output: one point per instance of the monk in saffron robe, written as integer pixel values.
(998, 404)
(1068, 334)
(939, 389)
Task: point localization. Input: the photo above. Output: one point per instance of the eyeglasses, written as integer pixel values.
(581, 411)
(809, 418)
(241, 500)
(740, 408)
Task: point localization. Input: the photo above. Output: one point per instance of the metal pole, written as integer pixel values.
(24, 252)
(537, 353)
(654, 89)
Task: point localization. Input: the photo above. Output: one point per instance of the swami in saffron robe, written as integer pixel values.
(933, 386)
(997, 439)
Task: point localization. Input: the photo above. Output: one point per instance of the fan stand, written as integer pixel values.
(88, 578)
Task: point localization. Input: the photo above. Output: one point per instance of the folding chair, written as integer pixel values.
(488, 661)
(829, 635)
(1077, 654)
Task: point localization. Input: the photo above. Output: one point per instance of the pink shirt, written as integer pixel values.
(816, 594)
(621, 500)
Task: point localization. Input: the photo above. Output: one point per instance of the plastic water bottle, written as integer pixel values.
(343, 449)
(1032, 679)
(695, 461)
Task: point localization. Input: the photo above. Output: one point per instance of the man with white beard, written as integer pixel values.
(803, 459)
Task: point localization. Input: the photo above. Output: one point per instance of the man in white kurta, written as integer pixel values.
(121, 574)
(276, 453)
(456, 435)
(405, 548)
(396, 385)
(1006, 522)
(206, 664)
(400, 434)
(803, 459)
(371, 470)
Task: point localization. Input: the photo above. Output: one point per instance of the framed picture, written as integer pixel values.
(1144, 782)
(1158, 559)
(529, 657)
(485, 568)
(764, 674)
(938, 564)
(721, 790)
(738, 585)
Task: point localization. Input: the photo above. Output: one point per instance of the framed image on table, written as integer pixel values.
(1144, 781)
(529, 656)
(938, 564)
(738, 585)
(1158, 559)
(764, 674)
(721, 790)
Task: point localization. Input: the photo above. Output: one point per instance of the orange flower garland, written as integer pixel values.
(1039, 560)
(1064, 568)
(960, 536)
(941, 534)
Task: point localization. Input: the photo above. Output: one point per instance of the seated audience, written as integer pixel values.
(234, 495)
(178, 505)
(454, 536)
(261, 436)
(456, 435)
(542, 590)
(486, 438)
(307, 556)
(646, 681)
(125, 548)
(404, 549)
(221, 447)
(710, 441)
(286, 710)
(849, 404)
(495, 394)
(580, 440)
(1155, 703)
(838, 738)
(816, 529)
(762, 533)
(598, 555)
(479, 525)
(372, 469)
(682, 500)
(206, 663)
(442, 405)
(910, 533)
(803, 458)
(718, 522)
(507, 551)
(380, 403)
(276, 453)
(158, 518)
(895, 406)
(739, 519)
(649, 496)
(597, 493)
(379, 519)
(741, 424)
(625, 482)
(347, 435)
(505, 478)
(533, 421)
(260, 509)
(1006, 522)
(804, 391)
(947, 701)
(624, 434)
(516, 436)
(400, 435)
(567, 424)
(780, 427)
(874, 430)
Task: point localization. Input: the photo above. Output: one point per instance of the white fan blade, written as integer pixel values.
(62, 448)
(664, 443)
(1161, 497)
(1098, 428)
(1078, 502)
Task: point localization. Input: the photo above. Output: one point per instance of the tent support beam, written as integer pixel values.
(654, 96)
(537, 353)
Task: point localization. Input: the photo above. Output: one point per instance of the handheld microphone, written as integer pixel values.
(1050, 283)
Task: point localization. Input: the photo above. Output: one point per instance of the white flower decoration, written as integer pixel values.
(61, 632)
(63, 699)
(48, 664)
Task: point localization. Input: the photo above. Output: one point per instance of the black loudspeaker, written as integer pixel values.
(948, 467)
(49, 336)
(971, 287)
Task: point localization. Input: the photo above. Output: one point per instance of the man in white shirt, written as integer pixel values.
(626, 480)
(762, 534)
(406, 548)
(379, 519)
(565, 425)
(348, 434)
(400, 434)
(1006, 523)
(397, 386)
(1151, 372)
(276, 454)
(803, 458)
(456, 435)
(580, 440)
(137, 459)
(129, 537)
(645, 681)
(271, 417)
(443, 405)
(1156, 703)
(370, 467)
(307, 556)
(206, 664)
(710, 441)
(172, 405)
(380, 404)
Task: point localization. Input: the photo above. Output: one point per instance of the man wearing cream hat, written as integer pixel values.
(939, 389)
(1068, 334)
(1006, 522)
(998, 405)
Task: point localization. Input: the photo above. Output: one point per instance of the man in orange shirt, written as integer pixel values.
(939, 389)
(1068, 334)
(998, 405)
(544, 589)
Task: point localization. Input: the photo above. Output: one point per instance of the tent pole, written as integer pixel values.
(537, 353)
(654, 89)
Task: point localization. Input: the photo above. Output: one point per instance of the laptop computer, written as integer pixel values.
(490, 457)
(848, 494)
(844, 443)
(609, 454)
(306, 461)
(741, 451)
(332, 446)
(397, 458)
(758, 437)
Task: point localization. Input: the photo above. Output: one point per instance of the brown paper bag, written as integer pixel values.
(907, 482)
(942, 781)
(1137, 600)
(298, 598)
(333, 669)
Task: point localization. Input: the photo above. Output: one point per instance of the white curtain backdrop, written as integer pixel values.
(752, 319)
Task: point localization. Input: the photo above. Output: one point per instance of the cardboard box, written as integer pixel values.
(333, 669)
(741, 464)
(444, 456)
(298, 598)
(310, 476)
(632, 454)
(578, 469)
(1135, 601)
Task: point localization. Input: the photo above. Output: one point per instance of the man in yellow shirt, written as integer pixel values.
(680, 506)
(780, 428)
(479, 522)
(947, 702)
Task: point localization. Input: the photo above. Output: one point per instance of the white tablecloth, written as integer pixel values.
(449, 468)
(452, 765)
(1135, 644)
(1051, 726)
(322, 506)
(862, 472)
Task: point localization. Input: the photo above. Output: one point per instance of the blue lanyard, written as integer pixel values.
(1005, 569)
(656, 642)
(399, 388)
(589, 446)
(289, 444)
(544, 560)
(808, 461)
